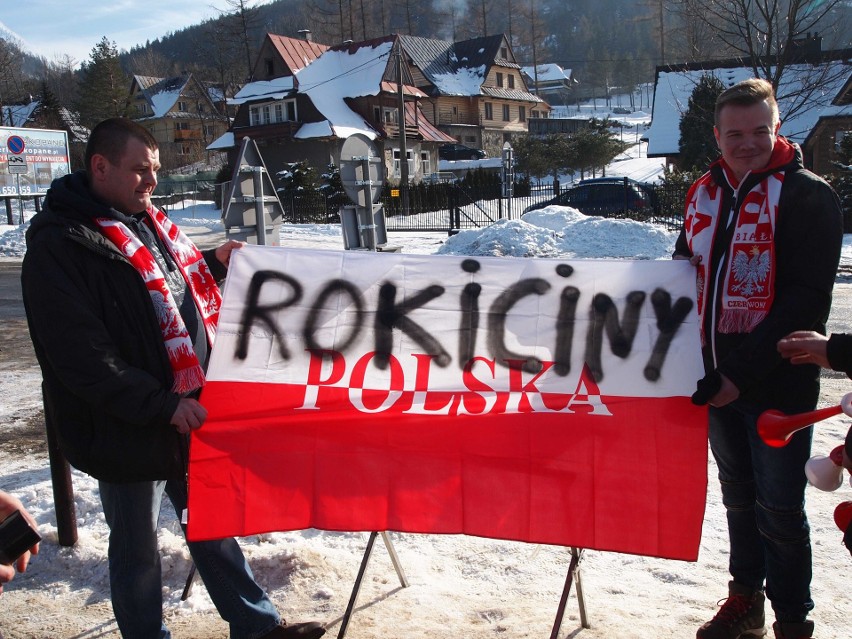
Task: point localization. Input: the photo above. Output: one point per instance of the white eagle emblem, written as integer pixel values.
(750, 272)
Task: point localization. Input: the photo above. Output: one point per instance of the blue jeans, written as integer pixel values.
(132, 512)
(763, 490)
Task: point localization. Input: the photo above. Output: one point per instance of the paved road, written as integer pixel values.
(11, 305)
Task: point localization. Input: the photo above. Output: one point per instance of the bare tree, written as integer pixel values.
(14, 84)
(242, 20)
(771, 36)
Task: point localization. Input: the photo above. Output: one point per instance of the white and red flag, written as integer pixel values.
(542, 400)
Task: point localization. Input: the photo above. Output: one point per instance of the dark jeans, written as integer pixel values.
(763, 490)
(132, 511)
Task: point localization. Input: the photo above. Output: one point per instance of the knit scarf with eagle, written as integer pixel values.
(748, 280)
(187, 370)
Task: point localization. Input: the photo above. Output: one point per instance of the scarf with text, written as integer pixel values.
(748, 281)
(187, 370)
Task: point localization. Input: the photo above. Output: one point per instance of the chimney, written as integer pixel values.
(306, 34)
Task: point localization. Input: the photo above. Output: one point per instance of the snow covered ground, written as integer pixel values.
(459, 586)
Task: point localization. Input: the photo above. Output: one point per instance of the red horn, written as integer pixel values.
(775, 428)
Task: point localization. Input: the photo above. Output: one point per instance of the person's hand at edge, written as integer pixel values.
(189, 415)
(715, 389)
(223, 252)
(8, 505)
(805, 347)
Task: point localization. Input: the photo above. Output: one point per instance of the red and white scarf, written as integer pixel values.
(188, 373)
(748, 283)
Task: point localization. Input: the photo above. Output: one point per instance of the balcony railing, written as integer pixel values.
(459, 118)
(186, 135)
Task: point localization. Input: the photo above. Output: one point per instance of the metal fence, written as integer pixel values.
(451, 207)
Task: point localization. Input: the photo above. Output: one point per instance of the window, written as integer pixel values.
(504, 53)
(142, 108)
(522, 113)
(184, 149)
(390, 116)
(499, 79)
(396, 168)
(182, 126)
(425, 164)
(209, 130)
(181, 106)
(511, 81)
(267, 65)
(489, 111)
(506, 115)
(273, 112)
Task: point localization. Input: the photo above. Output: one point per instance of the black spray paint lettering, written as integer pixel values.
(669, 319)
(604, 318)
(390, 316)
(253, 310)
(337, 286)
(497, 314)
(469, 322)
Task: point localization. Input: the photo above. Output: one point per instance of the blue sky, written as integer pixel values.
(53, 28)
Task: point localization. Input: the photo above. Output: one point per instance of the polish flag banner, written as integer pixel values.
(539, 400)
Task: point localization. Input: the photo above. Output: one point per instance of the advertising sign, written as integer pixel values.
(30, 159)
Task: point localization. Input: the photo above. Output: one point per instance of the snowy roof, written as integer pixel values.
(459, 68)
(17, 114)
(270, 89)
(464, 81)
(347, 72)
(161, 93)
(674, 88)
(225, 141)
(550, 72)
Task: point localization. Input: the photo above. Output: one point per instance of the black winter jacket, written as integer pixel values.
(808, 235)
(107, 377)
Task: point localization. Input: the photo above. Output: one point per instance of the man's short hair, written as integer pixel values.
(110, 137)
(746, 93)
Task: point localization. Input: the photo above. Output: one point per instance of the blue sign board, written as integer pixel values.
(30, 159)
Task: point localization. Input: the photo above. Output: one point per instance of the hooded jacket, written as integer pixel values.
(106, 372)
(807, 239)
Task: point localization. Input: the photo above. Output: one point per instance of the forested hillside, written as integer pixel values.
(605, 43)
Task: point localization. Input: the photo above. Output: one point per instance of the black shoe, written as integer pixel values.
(799, 630)
(305, 630)
(740, 616)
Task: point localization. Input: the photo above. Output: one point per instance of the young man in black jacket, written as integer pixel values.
(122, 311)
(764, 235)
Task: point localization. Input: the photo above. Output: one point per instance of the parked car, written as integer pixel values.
(621, 110)
(605, 196)
(460, 152)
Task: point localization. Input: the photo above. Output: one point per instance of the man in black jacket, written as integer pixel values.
(122, 311)
(764, 235)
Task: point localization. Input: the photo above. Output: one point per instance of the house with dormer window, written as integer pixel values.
(306, 99)
(181, 115)
(476, 91)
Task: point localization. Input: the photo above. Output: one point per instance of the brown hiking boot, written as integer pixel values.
(741, 616)
(798, 630)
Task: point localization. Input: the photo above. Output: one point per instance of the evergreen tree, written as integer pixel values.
(49, 109)
(103, 87)
(697, 144)
(844, 148)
